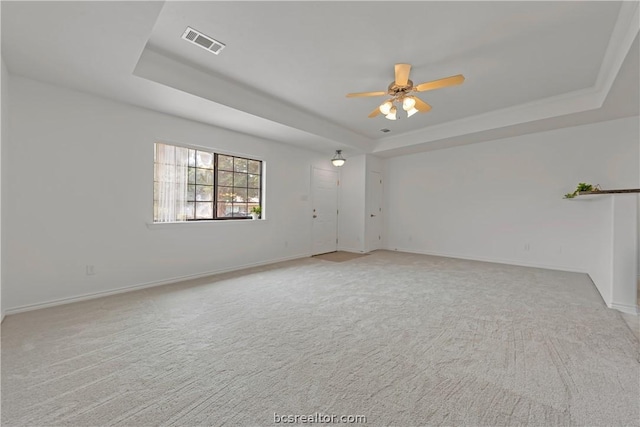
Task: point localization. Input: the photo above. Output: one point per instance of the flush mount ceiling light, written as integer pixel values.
(401, 90)
(337, 159)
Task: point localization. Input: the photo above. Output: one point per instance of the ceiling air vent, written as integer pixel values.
(205, 42)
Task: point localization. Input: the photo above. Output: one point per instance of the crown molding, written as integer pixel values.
(582, 100)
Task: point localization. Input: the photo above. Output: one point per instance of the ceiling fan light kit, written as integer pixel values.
(401, 90)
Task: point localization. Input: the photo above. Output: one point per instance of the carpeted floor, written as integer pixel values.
(401, 339)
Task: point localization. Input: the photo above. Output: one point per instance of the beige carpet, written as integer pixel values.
(339, 256)
(402, 339)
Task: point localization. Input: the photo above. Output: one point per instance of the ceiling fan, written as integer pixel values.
(401, 91)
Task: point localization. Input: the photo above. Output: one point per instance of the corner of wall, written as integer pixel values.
(501, 224)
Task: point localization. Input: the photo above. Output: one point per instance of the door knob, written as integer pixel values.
(372, 215)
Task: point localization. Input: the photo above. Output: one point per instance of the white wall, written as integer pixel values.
(4, 134)
(354, 222)
(4, 100)
(502, 200)
(78, 191)
(624, 211)
(352, 195)
(373, 164)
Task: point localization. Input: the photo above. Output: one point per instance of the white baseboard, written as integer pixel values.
(94, 295)
(625, 308)
(492, 260)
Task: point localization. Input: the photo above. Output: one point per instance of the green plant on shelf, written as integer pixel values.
(256, 210)
(582, 186)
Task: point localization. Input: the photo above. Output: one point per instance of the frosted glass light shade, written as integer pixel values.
(408, 103)
(392, 114)
(411, 112)
(337, 159)
(386, 107)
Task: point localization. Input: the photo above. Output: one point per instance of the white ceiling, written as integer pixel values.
(529, 66)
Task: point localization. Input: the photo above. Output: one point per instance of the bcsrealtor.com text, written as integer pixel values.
(318, 418)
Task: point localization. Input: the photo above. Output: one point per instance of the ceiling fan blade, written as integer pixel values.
(421, 106)
(438, 84)
(374, 113)
(402, 74)
(359, 94)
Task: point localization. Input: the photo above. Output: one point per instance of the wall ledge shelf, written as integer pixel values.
(593, 193)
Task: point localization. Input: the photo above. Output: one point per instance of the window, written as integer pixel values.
(191, 185)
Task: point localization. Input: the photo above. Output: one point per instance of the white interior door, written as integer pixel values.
(324, 195)
(374, 211)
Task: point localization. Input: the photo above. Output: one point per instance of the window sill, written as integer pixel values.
(180, 224)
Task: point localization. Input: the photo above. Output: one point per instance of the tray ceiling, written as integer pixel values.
(287, 66)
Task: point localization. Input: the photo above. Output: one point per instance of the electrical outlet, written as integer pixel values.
(527, 247)
(91, 270)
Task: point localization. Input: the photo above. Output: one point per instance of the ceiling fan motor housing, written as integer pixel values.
(395, 90)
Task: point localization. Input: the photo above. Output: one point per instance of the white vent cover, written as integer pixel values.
(205, 42)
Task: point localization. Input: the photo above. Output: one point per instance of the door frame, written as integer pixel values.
(374, 244)
(313, 202)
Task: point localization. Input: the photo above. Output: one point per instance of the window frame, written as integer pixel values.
(215, 153)
(215, 186)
